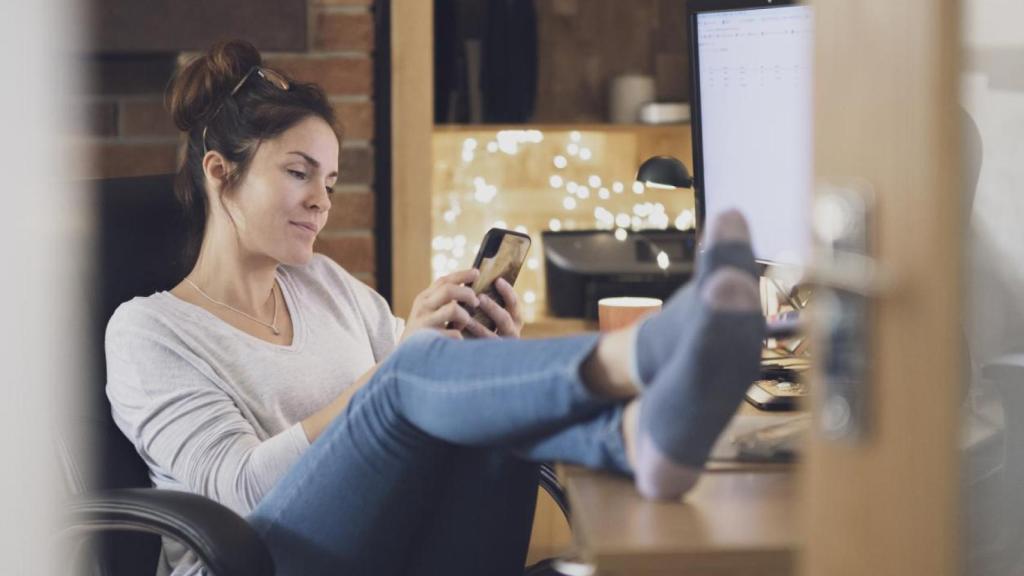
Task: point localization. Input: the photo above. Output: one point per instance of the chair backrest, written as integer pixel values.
(139, 250)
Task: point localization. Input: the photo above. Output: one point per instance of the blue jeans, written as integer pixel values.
(428, 469)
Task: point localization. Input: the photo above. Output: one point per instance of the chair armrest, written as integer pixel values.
(549, 482)
(1004, 368)
(221, 539)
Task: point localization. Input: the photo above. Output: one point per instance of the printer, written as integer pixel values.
(583, 266)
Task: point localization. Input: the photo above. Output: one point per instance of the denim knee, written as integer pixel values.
(416, 349)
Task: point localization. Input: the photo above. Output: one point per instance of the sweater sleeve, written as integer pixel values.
(167, 402)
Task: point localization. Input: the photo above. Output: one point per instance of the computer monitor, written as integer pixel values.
(751, 119)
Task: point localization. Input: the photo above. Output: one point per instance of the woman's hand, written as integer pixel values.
(508, 321)
(438, 307)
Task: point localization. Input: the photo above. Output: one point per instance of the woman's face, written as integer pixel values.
(282, 202)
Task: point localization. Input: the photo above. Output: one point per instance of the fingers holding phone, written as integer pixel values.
(435, 297)
(501, 256)
(479, 302)
(508, 320)
(443, 306)
(454, 316)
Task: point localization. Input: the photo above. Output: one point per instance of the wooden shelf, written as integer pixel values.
(590, 127)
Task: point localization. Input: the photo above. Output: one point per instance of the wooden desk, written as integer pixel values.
(740, 519)
(732, 523)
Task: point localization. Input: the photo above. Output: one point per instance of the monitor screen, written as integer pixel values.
(752, 122)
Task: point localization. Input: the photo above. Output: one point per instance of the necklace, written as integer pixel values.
(273, 322)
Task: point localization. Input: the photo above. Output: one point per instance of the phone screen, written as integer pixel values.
(501, 255)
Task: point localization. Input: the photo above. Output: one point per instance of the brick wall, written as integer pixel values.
(130, 133)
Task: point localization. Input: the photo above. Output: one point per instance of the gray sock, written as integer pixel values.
(657, 337)
(698, 387)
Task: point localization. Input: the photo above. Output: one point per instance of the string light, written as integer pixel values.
(508, 141)
(685, 220)
(621, 218)
(484, 192)
(468, 149)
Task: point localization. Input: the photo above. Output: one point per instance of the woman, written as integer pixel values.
(272, 381)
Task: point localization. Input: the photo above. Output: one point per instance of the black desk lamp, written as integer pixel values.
(667, 173)
(664, 172)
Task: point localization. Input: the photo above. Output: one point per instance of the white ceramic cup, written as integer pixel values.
(628, 94)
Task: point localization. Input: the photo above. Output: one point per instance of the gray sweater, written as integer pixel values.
(215, 411)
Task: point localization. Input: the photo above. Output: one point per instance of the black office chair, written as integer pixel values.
(994, 475)
(114, 517)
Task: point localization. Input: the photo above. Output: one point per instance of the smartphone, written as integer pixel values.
(501, 255)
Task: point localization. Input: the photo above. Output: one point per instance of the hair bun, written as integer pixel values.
(196, 91)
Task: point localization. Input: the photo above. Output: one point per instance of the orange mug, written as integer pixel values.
(621, 311)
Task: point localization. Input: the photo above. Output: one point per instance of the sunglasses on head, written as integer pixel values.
(274, 78)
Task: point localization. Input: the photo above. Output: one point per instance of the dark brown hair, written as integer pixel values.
(199, 97)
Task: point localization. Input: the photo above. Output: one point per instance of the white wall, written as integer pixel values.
(993, 93)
